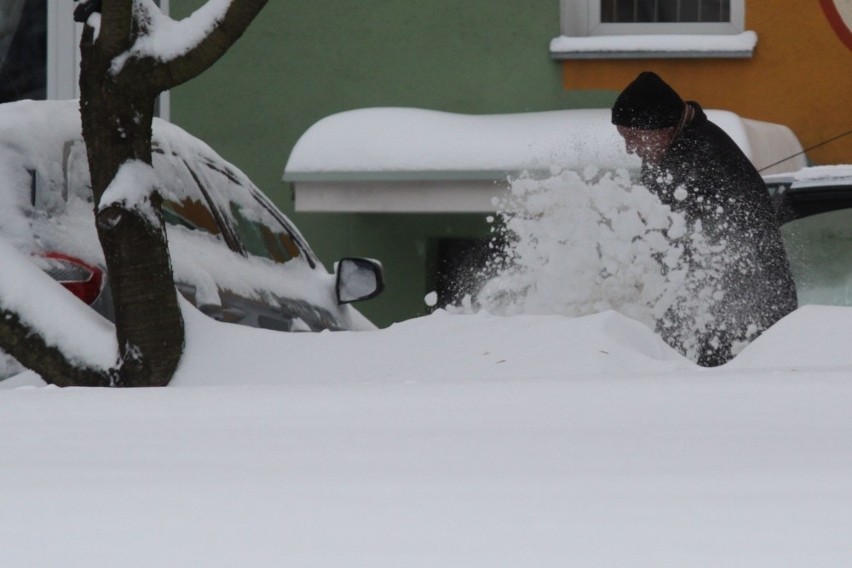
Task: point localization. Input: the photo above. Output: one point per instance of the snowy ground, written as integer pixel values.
(455, 440)
(450, 440)
(447, 441)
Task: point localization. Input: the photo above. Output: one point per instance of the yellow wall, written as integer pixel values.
(800, 75)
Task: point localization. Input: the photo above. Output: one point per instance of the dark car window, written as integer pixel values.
(191, 214)
(820, 250)
(794, 203)
(223, 199)
(261, 240)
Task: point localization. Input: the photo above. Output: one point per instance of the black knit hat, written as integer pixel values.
(647, 103)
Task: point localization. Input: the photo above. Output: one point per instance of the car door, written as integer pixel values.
(816, 225)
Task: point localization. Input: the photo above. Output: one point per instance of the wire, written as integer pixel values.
(823, 143)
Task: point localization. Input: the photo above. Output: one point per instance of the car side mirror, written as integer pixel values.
(359, 279)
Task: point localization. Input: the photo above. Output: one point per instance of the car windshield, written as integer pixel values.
(820, 251)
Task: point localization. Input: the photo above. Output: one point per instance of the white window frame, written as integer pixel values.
(584, 36)
(63, 50)
(63, 53)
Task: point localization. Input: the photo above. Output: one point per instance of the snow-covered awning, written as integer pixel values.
(396, 160)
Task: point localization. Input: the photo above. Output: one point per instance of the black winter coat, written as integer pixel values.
(738, 280)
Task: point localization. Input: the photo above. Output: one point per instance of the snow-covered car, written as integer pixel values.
(815, 209)
(235, 255)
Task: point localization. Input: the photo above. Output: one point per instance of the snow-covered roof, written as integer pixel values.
(387, 142)
(432, 156)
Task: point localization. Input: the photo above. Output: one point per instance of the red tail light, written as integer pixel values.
(81, 279)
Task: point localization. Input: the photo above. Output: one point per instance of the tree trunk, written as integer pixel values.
(117, 113)
(116, 108)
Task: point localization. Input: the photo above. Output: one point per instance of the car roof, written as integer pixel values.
(814, 176)
(36, 137)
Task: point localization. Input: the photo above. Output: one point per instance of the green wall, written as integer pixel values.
(302, 60)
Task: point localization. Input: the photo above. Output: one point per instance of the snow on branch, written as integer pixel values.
(178, 51)
(131, 189)
(164, 39)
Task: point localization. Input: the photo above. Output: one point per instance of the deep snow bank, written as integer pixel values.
(447, 347)
(810, 337)
(439, 347)
(450, 347)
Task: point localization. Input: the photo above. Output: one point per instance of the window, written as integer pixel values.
(643, 28)
(23, 50)
(191, 214)
(39, 51)
(608, 17)
(262, 240)
(820, 251)
(638, 17)
(666, 11)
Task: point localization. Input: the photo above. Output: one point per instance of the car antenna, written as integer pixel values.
(824, 142)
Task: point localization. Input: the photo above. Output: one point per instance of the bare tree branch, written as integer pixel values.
(237, 18)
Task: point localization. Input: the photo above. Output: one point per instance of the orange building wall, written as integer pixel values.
(800, 75)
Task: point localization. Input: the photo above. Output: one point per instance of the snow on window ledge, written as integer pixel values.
(654, 46)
